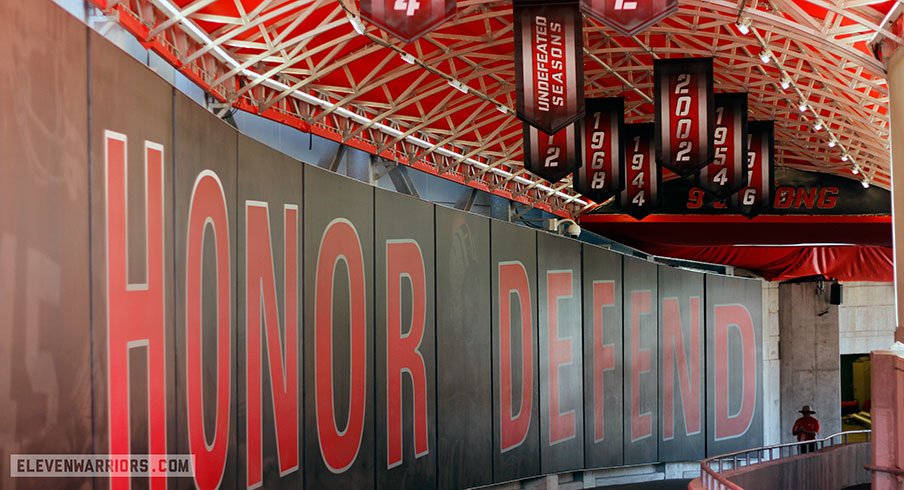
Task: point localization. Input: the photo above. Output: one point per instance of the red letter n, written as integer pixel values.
(673, 351)
(261, 307)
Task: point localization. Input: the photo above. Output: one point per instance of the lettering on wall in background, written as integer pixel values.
(683, 100)
(407, 19)
(549, 63)
(629, 17)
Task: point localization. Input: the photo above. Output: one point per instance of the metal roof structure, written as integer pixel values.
(444, 103)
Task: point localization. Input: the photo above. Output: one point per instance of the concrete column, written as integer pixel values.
(886, 367)
(810, 360)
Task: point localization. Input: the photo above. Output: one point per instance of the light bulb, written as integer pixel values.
(743, 25)
(764, 56)
(786, 82)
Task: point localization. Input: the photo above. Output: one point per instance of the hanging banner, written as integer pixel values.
(629, 16)
(407, 19)
(642, 176)
(549, 63)
(552, 156)
(757, 196)
(683, 97)
(727, 173)
(600, 176)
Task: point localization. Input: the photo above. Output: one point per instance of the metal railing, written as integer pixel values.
(711, 468)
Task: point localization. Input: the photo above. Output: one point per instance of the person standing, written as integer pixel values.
(806, 428)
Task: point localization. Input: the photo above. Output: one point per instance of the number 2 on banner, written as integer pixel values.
(408, 6)
(623, 5)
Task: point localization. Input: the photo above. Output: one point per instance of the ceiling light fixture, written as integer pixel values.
(844, 157)
(786, 82)
(817, 125)
(802, 106)
(765, 55)
(457, 85)
(407, 58)
(865, 183)
(832, 142)
(855, 169)
(743, 25)
(357, 25)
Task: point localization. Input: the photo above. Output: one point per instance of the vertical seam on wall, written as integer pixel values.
(436, 356)
(493, 336)
(175, 277)
(91, 272)
(536, 363)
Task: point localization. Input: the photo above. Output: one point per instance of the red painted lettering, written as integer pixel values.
(641, 423)
(514, 426)
(339, 448)
(784, 197)
(208, 209)
(260, 299)
(688, 373)
(828, 198)
(729, 317)
(560, 353)
(135, 312)
(404, 260)
(603, 354)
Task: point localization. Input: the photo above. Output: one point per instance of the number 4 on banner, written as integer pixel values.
(409, 7)
(407, 19)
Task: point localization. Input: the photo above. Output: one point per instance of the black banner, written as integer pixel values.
(734, 368)
(641, 407)
(727, 173)
(549, 63)
(464, 361)
(757, 196)
(600, 175)
(681, 365)
(683, 100)
(561, 356)
(407, 19)
(552, 156)
(405, 340)
(603, 358)
(629, 17)
(338, 332)
(642, 175)
(516, 405)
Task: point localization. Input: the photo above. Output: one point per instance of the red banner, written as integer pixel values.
(549, 63)
(727, 173)
(629, 16)
(552, 156)
(683, 96)
(642, 176)
(407, 19)
(600, 176)
(757, 196)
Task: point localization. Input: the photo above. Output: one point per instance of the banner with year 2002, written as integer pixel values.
(683, 99)
(549, 63)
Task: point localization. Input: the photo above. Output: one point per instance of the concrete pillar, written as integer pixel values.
(810, 360)
(886, 367)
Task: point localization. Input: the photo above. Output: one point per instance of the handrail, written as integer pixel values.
(711, 477)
